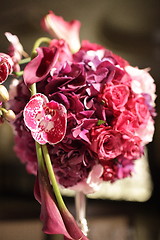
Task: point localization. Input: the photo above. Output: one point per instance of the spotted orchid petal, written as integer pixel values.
(54, 123)
(46, 120)
(57, 27)
(33, 112)
(40, 66)
(6, 66)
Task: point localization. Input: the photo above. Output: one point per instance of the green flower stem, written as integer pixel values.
(33, 89)
(37, 44)
(41, 150)
(52, 178)
(40, 156)
(25, 60)
(18, 74)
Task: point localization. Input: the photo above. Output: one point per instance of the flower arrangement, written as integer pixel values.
(77, 109)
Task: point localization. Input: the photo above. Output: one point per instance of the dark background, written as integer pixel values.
(130, 29)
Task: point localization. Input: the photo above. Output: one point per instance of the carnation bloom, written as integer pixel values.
(46, 120)
(6, 66)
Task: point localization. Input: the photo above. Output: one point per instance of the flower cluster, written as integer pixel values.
(93, 109)
(78, 109)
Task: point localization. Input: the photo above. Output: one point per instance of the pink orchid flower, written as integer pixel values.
(16, 48)
(41, 65)
(16, 51)
(55, 220)
(57, 27)
(6, 67)
(46, 120)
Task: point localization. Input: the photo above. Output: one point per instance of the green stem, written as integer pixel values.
(18, 74)
(52, 178)
(39, 156)
(32, 89)
(41, 150)
(25, 60)
(37, 44)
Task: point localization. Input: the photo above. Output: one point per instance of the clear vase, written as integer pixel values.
(80, 205)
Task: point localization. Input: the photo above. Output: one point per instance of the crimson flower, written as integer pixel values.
(46, 120)
(6, 65)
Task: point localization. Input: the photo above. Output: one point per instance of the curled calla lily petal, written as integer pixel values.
(46, 120)
(61, 29)
(40, 66)
(6, 66)
(55, 221)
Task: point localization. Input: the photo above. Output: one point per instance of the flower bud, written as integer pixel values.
(4, 95)
(9, 115)
(6, 66)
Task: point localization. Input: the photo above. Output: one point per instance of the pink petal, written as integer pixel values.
(40, 66)
(38, 137)
(6, 66)
(55, 221)
(58, 27)
(16, 49)
(3, 72)
(33, 111)
(54, 128)
(50, 215)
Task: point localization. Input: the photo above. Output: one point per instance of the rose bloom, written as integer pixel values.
(106, 142)
(115, 96)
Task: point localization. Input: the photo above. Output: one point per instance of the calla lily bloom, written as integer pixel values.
(40, 66)
(6, 67)
(57, 27)
(55, 221)
(46, 120)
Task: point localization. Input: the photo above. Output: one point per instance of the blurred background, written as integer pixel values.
(132, 30)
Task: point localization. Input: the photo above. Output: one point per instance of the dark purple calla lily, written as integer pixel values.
(55, 221)
(40, 66)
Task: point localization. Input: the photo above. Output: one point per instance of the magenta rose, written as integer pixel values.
(115, 96)
(132, 147)
(107, 143)
(140, 109)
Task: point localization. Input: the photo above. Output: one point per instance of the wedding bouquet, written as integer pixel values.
(88, 110)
